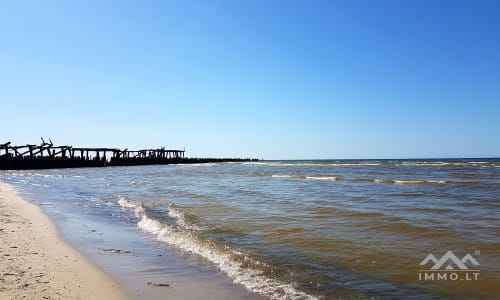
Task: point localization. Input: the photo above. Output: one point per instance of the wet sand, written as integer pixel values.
(36, 264)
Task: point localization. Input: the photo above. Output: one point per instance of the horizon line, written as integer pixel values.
(391, 158)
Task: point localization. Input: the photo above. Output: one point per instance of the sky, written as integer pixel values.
(264, 79)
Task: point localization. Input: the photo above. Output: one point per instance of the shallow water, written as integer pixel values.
(287, 229)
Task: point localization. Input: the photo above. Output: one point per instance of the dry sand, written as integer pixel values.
(36, 264)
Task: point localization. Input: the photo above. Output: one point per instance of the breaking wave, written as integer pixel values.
(288, 176)
(312, 164)
(135, 206)
(324, 178)
(409, 182)
(181, 218)
(241, 268)
(381, 163)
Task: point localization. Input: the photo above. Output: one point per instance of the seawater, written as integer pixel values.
(329, 229)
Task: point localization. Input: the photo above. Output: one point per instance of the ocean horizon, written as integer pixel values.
(285, 229)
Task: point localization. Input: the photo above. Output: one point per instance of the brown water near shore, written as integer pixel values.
(296, 229)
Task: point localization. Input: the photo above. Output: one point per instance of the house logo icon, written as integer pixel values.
(449, 267)
(450, 261)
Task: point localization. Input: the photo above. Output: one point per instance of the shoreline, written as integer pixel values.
(36, 263)
(122, 263)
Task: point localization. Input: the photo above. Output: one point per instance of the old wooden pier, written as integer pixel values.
(48, 156)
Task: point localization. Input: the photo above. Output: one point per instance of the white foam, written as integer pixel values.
(39, 185)
(420, 181)
(138, 182)
(45, 175)
(253, 279)
(442, 163)
(150, 225)
(323, 178)
(282, 176)
(288, 176)
(424, 163)
(224, 258)
(312, 164)
(409, 182)
(181, 218)
(437, 181)
(197, 165)
(135, 206)
(352, 164)
(272, 164)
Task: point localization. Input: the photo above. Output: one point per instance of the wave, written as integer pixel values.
(198, 165)
(429, 182)
(420, 181)
(425, 164)
(272, 164)
(288, 176)
(39, 184)
(403, 182)
(353, 164)
(324, 178)
(241, 268)
(136, 206)
(31, 175)
(139, 183)
(447, 164)
(256, 163)
(181, 218)
(375, 164)
(310, 164)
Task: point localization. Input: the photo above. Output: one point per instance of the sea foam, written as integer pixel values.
(181, 218)
(232, 263)
(410, 182)
(324, 178)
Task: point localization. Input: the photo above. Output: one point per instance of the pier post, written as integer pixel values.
(18, 157)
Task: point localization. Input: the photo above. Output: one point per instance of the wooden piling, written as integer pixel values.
(46, 155)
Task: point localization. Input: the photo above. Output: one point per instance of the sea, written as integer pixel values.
(308, 229)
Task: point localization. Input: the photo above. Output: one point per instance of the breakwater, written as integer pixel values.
(48, 156)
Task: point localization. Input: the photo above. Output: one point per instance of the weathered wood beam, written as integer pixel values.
(30, 150)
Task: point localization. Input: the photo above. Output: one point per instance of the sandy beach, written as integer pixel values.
(36, 264)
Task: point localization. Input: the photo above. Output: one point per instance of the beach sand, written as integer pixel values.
(36, 264)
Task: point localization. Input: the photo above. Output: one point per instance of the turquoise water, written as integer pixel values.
(297, 229)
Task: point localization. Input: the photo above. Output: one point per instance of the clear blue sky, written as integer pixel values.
(270, 79)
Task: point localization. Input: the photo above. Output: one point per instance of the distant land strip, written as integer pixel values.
(48, 156)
